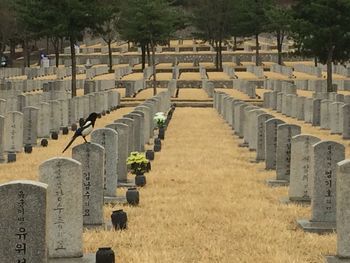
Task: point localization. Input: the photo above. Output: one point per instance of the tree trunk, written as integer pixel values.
(148, 55)
(109, 43)
(329, 70)
(143, 56)
(217, 56)
(25, 52)
(56, 46)
(257, 57)
(47, 46)
(279, 47)
(62, 45)
(154, 69)
(316, 61)
(74, 67)
(234, 43)
(220, 55)
(12, 49)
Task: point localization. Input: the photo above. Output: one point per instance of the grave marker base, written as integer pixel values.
(336, 259)
(128, 183)
(276, 183)
(114, 200)
(243, 145)
(316, 227)
(87, 258)
(303, 202)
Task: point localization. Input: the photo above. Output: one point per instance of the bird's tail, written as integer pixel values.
(70, 143)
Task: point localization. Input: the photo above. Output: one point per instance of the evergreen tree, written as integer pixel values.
(148, 22)
(322, 29)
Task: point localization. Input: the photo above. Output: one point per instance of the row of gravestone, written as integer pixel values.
(247, 87)
(24, 128)
(314, 170)
(44, 221)
(329, 111)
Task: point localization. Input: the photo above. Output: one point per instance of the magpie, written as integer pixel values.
(84, 130)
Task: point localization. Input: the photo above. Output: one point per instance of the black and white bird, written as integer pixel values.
(84, 130)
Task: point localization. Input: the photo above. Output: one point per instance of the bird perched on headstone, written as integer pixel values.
(84, 130)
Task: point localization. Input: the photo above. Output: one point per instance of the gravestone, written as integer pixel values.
(44, 120)
(343, 214)
(54, 116)
(271, 142)
(245, 124)
(30, 126)
(285, 132)
(300, 172)
(92, 158)
(336, 116)
(346, 121)
(147, 120)
(308, 110)
(141, 116)
(316, 112)
(63, 113)
(130, 123)
(325, 114)
(13, 140)
(2, 107)
(236, 114)
(123, 138)
(279, 102)
(23, 222)
(253, 127)
(2, 136)
(324, 158)
(108, 139)
(300, 108)
(64, 202)
(260, 147)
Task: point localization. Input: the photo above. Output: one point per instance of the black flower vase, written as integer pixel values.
(150, 155)
(161, 133)
(105, 255)
(133, 196)
(119, 219)
(157, 145)
(140, 180)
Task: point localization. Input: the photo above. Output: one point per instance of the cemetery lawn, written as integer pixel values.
(205, 202)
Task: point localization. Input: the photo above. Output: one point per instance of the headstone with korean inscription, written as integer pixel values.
(92, 158)
(285, 132)
(343, 214)
(324, 158)
(108, 138)
(64, 202)
(271, 142)
(30, 125)
(63, 113)
(300, 171)
(260, 147)
(13, 140)
(23, 222)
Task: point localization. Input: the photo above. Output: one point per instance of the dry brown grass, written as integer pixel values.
(204, 202)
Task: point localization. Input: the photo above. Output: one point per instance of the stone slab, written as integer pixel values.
(316, 227)
(276, 183)
(115, 200)
(87, 258)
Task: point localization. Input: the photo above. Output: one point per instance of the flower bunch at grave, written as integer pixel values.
(137, 163)
(160, 119)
